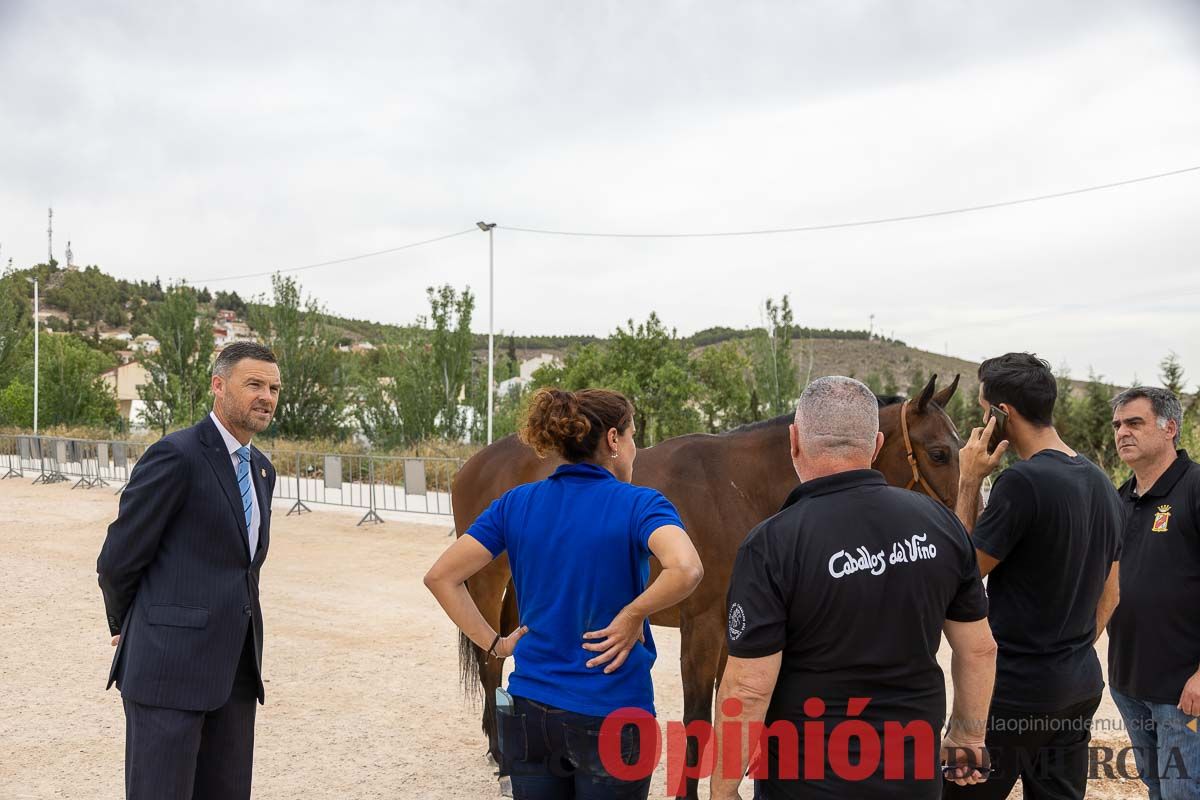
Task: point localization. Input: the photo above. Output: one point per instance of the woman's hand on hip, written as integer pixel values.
(507, 644)
(625, 630)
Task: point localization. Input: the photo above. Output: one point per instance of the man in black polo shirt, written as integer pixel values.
(1154, 636)
(836, 609)
(1049, 539)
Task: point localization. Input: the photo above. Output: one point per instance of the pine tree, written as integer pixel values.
(916, 381)
(1065, 407)
(513, 363)
(775, 371)
(415, 390)
(1092, 418)
(723, 392)
(306, 346)
(178, 392)
(888, 383)
(15, 323)
(1171, 375)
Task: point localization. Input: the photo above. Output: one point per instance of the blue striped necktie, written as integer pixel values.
(243, 476)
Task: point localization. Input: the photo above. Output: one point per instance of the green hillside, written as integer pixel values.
(396, 385)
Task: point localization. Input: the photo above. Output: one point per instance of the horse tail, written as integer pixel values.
(471, 658)
(470, 662)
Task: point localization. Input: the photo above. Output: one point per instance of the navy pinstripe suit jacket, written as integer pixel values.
(175, 570)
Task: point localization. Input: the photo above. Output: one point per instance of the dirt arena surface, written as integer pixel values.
(363, 699)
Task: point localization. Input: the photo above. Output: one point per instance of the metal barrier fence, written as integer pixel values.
(89, 463)
(374, 483)
(377, 483)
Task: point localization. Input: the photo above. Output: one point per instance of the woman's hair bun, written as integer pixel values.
(572, 424)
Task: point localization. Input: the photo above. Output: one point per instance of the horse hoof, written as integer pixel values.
(506, 787)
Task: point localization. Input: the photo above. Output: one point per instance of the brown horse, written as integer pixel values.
(722, 485)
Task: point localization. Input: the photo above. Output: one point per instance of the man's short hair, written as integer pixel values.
(838, 415)
(239, 351)
(1023, 381)
(1165, 404)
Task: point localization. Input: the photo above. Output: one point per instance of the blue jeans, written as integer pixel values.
(552, 754)
(1167, 753)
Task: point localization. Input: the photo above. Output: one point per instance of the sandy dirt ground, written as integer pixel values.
(363, 699)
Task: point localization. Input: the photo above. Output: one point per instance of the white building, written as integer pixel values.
(125, 381)
(239, 331)
(525, 374)
(507, 387)
(534, 364)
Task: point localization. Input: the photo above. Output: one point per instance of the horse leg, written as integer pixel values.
(487, 588)
(721, 664)
(494, 676)
(702, 644)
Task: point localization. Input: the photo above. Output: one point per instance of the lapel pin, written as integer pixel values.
(262, 471)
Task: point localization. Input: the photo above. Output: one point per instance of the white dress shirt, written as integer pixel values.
(233, 445)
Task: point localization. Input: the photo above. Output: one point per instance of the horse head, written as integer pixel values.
(929, 461)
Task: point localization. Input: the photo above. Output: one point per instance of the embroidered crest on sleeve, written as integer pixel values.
(737, 621)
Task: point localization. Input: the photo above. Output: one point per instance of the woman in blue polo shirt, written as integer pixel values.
(579, 544)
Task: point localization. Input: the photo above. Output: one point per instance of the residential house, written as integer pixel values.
(532, 365)
(525, 373)
(238, 332)
(125, 381)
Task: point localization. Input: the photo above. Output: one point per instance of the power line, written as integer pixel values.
(201, 282)
(716, 234)
(857, 223)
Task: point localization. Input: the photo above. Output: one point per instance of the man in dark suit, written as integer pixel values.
(179, 571)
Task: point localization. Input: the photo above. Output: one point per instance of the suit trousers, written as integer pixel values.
(194, 755)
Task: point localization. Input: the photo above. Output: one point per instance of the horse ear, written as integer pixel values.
(943, 397)
(927, 393)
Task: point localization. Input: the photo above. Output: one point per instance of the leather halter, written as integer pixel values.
(917, 477)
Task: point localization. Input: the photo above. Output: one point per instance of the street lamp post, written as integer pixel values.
(36, 370)
(488, 227)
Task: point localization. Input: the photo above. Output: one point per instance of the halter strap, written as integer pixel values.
(917, 477)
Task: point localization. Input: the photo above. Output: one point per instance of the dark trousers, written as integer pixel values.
(1047, 751)
(194, 755)
(552, 754)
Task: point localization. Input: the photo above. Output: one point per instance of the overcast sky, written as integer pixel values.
(202, 140)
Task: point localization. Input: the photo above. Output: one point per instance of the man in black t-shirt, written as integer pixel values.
(1154, 636)
(1049, 541)
(836, 609)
